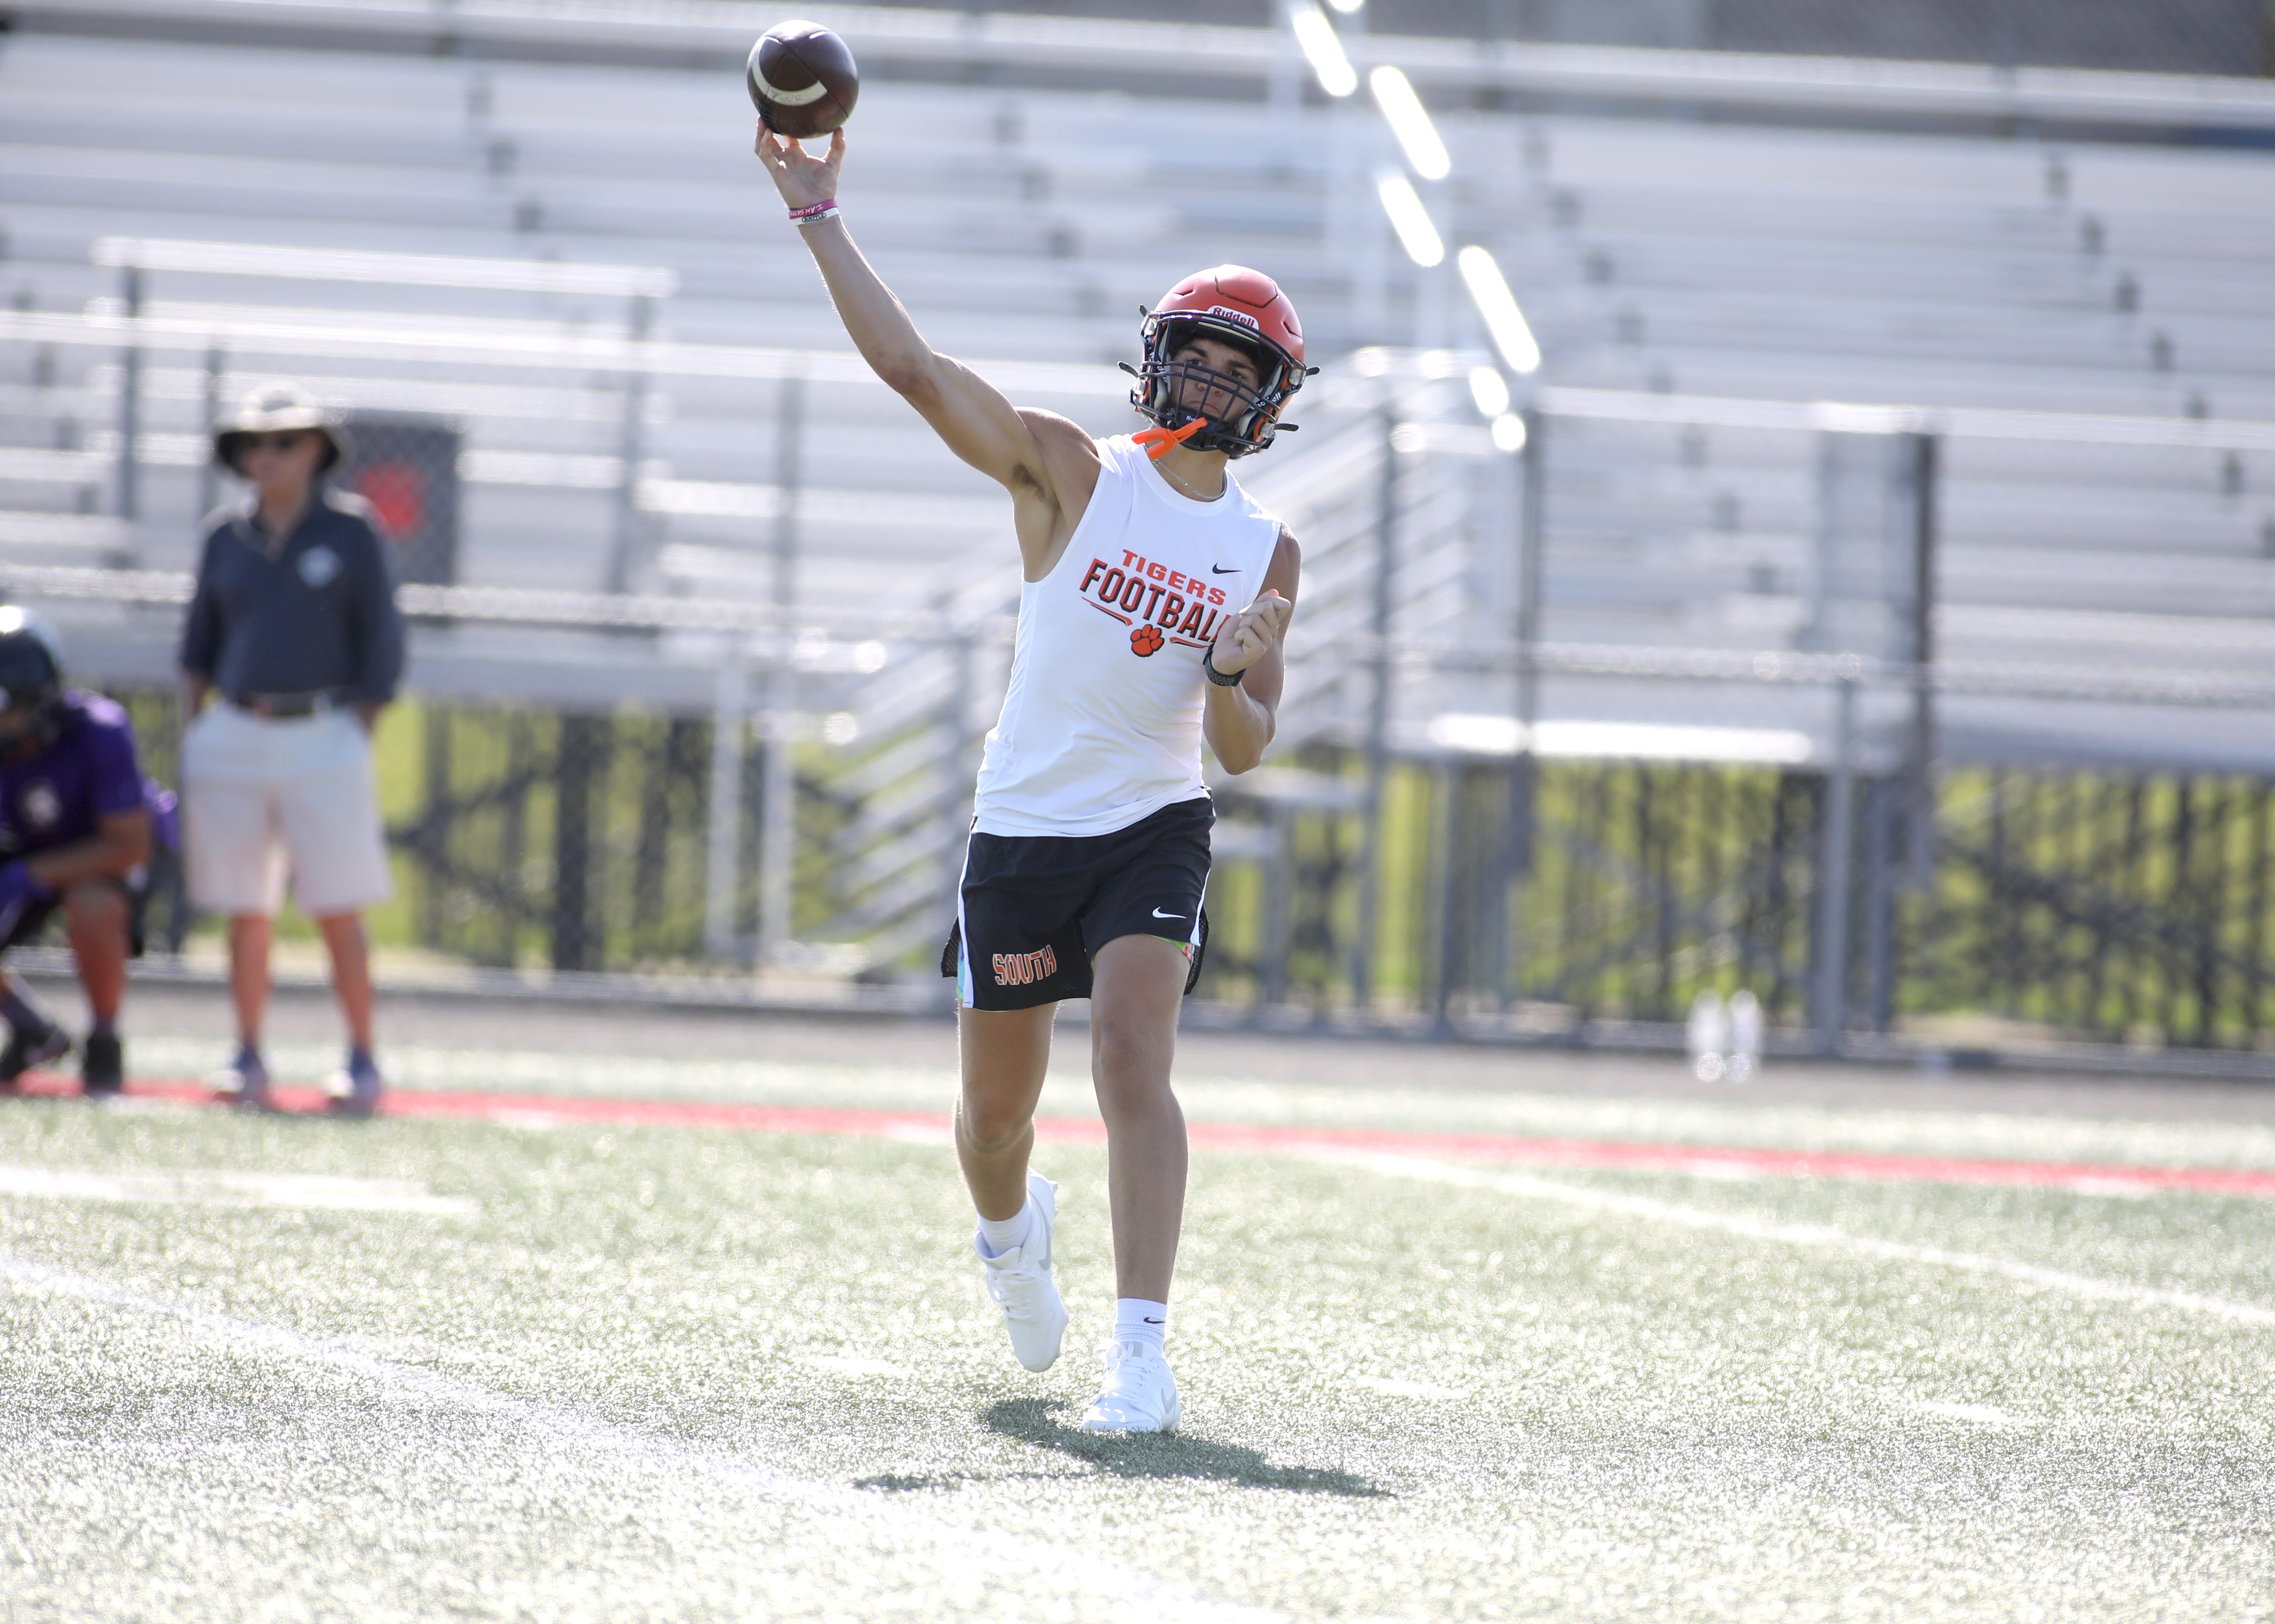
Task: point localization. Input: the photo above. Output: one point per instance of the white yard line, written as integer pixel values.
(202, 1188)
(1405, 1387)
(1801, 1234)
(1984, 1415)
(976, 1556)
(850, 1365)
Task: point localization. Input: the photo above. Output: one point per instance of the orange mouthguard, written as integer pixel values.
(1160, 442)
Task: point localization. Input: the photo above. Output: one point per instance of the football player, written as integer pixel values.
(80, 827)
(1157, 594)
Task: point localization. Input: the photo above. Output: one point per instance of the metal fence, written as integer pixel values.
(1570, 896)
(1519, 789)
(1492, 891)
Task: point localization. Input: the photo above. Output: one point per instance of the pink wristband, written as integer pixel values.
(827, 209)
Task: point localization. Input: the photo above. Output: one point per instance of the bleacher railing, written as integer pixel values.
(929, 42)
(1467, 821)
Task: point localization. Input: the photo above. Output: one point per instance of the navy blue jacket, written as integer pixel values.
(314, 610)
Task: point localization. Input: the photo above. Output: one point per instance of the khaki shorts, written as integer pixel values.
(260, 796)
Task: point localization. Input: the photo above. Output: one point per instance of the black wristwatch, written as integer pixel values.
(1209, 670)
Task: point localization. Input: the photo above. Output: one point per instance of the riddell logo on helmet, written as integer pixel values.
(1240, 316)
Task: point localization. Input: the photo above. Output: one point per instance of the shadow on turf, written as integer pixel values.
(1173, 1455)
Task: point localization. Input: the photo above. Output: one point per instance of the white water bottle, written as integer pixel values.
(1745, 1051)
(1707, 1036)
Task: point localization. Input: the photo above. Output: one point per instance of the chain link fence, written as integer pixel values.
(1514, 896)
(1572, 735)
(405, 464)
(1571, 896)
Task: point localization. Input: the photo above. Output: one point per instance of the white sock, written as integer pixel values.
(998, 1235)
(1138, 1320)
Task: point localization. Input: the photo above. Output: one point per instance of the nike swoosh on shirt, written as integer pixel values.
(1160, 915)
(1221, 569)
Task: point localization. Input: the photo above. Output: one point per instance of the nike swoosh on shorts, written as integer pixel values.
(1160, 915)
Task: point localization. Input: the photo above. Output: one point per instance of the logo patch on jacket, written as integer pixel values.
(320, 567)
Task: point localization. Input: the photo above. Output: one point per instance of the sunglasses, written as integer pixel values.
(292, 441)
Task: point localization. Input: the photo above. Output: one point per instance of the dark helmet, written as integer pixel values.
(31, 675)
(1237, 306)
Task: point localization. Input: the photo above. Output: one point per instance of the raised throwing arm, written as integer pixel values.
(1048, 464)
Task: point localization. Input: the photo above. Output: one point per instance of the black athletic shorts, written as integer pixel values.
(1036, 908)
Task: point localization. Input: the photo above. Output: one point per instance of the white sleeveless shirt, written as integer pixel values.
(1102, 726)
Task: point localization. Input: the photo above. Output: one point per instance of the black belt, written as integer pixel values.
(284, 707)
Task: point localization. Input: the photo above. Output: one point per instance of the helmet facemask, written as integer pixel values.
(1242, 418)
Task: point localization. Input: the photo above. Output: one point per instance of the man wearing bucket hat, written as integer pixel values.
(293, 631)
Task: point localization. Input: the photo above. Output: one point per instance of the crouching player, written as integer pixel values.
(79, 827)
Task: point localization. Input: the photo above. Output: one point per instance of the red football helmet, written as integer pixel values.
(1241, 307)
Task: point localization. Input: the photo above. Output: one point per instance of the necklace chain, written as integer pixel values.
(1182, 486)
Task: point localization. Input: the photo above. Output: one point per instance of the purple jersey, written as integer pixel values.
(86, 773)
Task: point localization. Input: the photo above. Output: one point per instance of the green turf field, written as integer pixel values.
(285, 1369)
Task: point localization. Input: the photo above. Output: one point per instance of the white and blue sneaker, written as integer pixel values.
(355, 1088)
(242, 1082)
(1020, 1281)
(1139, 1395)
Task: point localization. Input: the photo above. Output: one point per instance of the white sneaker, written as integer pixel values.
(242, 1082)
(1020, 1279)
(1139, 1395)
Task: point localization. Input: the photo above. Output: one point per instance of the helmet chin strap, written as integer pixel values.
(1160, 442)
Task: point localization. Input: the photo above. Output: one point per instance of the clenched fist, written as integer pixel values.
(1246, 638)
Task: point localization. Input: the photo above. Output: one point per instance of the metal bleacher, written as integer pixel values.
(2089, 316)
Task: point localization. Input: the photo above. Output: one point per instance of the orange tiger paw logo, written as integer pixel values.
(1146, 641)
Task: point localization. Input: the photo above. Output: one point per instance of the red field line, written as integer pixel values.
(931, 1128)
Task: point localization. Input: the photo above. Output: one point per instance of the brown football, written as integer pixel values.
(801, 80)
